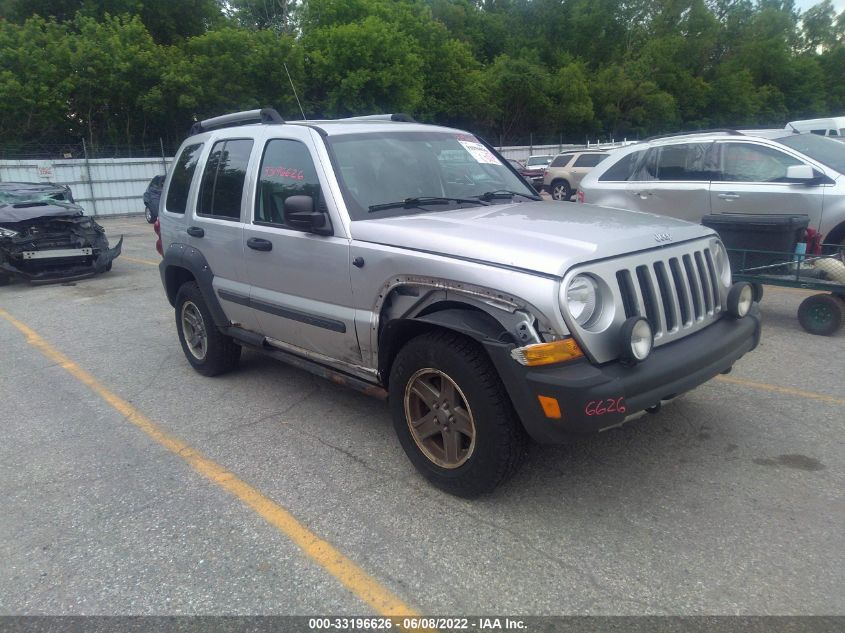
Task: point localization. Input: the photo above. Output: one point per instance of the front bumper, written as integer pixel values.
(64, 269)
(593, 398)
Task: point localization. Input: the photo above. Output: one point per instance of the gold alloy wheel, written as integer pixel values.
(439, 418)
(193, 329)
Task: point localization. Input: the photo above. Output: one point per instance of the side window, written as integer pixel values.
(684, 162)
(286, 170)
(222, 185)
(623, 169)
(180, 182)
(561, 161)
(589, 160)
(646, 169)
(833, 133)
(745, 162)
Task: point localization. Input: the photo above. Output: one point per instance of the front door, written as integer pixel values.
(752, 179)
(301, 290)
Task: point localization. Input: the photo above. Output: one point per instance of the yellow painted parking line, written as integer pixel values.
(350, 575)
(789, 391)
(135, 260)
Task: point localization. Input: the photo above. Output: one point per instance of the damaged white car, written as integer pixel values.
(46, 237)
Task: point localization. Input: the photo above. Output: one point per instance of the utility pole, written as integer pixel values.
(90, 182)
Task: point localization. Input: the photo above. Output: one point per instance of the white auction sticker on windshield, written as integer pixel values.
(480, 153)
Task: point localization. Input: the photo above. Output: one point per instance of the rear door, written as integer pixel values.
(752, 179)
(674, 180)
(301, 289)
(216, 227)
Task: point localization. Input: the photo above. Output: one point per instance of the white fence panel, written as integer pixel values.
(522, 152)
(102, 186)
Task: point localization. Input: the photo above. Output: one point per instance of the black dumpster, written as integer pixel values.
(758, 232)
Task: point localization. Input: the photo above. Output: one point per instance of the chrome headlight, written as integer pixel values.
(7, 232)
(583, 299)
(721, 262)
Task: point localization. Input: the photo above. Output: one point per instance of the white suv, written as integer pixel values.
(762, 171)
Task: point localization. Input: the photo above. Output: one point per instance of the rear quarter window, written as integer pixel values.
(589, 160)
(623, 169)
(180, 181)
(561, 161)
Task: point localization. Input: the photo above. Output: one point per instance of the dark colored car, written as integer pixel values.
(152, 197)
(45, 236)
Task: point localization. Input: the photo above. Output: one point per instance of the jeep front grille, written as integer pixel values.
(676, 287)
(672, 293)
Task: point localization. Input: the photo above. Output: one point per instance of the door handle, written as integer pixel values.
(195, 231)
(729, 196)
(257, 244)
(643, 194)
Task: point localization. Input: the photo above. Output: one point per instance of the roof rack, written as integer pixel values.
(728, 131)
(403, 118)
(264, 115)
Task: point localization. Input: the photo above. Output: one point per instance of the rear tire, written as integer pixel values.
(821, 314)
(561, 190)
(149, 216)
(453, 416)
(208, 350)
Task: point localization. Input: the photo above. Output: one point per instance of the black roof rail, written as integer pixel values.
(727, 131)
(264, 115)
(403, 118)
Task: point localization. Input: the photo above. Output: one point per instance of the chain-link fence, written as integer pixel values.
(82, 149)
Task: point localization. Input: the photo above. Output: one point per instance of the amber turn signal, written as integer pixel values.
(551, 407)
(547, 353)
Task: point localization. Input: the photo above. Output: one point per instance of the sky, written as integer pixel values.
(806, 4)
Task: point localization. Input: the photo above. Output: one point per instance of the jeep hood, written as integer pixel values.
(546, 237)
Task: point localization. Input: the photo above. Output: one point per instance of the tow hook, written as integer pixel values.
(655, 408)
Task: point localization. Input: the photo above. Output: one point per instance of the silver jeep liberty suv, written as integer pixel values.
(411, 262)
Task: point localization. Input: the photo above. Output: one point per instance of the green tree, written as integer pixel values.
(166, 20)
(34, 86)
(362, 67)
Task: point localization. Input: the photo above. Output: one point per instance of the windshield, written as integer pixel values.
(820, 148)
(31, 194)
(376, 169)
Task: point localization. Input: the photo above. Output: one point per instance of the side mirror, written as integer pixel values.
(300, 214)
(801, 173)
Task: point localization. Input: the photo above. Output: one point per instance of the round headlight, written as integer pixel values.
(722, 263)
(740, 298)
(582, 298)
(636, 340)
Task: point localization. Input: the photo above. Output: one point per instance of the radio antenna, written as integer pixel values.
(294, 92)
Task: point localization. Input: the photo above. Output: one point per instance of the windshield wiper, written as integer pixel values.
(410, 203)
(505, 193)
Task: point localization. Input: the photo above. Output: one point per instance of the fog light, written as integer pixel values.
(740, 298)
(636, 340)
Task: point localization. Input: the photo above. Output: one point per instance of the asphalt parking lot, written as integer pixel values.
(133, 485)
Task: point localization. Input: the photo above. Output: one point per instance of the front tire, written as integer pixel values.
(561, 190)
(208, 350)
(453, 416)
